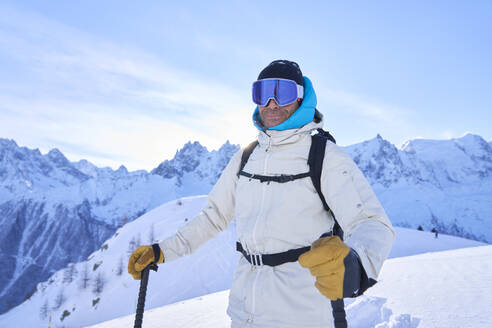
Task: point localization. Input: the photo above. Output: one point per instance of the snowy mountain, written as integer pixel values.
(24, 171)
(413, 292)
(208, 270)
(194, 168)
(443, 184)
(54, 212)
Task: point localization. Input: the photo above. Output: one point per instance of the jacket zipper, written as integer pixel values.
(262, 203)
(260, 213)
(268, 146)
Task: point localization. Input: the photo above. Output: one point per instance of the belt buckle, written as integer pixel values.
(256, 259)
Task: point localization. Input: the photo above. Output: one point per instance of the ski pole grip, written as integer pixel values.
(142, 294)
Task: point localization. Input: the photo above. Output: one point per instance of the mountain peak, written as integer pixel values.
(8, 143)
(228, 148)
(122, 169)
(190, 146)
(375, 144)
(195, 159)
(57, 157)
(470, 138)
(474, 146)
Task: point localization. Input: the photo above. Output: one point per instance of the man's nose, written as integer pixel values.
(272, 104)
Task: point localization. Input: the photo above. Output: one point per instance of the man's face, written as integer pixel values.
(272, 114)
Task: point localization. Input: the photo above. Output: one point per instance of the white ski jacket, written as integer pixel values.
(275, 217)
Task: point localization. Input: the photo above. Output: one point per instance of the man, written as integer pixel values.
(294, 272)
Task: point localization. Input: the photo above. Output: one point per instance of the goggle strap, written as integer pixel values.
(300, 91)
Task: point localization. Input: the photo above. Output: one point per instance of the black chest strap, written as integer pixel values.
(283, 178)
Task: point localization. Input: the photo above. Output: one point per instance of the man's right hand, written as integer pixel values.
(142, 257)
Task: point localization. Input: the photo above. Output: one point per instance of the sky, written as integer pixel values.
(129, 83)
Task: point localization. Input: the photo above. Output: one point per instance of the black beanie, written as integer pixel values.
(282, 69)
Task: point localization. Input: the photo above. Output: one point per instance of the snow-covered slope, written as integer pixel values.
(448, 289)
(209, 270)
(53, 212)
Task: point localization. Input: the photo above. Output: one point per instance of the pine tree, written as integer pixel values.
(132, 246)
(44, 310)
(70, 273)
(151, 234)
(119, 267)
(59, 300)
(99, 282)
(138, 241)
(84, 277)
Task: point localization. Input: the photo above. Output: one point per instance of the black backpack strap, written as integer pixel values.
(245, 156)
(327, 135)
(315, 162)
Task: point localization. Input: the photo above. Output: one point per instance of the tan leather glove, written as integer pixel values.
(325, 261)
(142, 257)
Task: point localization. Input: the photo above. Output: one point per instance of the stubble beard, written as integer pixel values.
(272, 117)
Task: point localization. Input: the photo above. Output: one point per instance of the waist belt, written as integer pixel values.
(292, 255)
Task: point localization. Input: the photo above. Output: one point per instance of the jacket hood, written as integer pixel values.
(302, 116)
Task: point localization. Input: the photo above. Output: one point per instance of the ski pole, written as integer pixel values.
(142, 293)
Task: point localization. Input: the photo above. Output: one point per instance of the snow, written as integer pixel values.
(445, 289)
(449, 289)
(200, 312)
(207, 271)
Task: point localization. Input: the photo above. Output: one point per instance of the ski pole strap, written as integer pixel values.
(291, 255)
(339, 317)
(157, 252)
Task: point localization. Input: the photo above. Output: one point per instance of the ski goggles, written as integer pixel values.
(284, 91)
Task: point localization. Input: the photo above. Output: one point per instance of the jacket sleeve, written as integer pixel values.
(367, 229)
(214, 218)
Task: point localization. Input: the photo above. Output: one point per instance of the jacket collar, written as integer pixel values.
(272, 138)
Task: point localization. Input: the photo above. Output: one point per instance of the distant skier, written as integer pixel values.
(294, 261)
(434, 230)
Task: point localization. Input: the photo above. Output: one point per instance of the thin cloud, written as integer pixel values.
(371, 109)
(119, 101)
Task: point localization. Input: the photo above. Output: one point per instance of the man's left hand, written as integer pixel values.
(325, 261)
